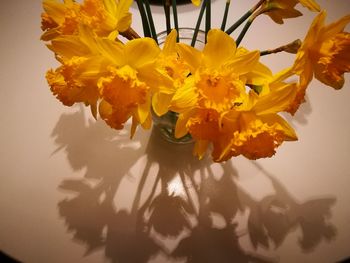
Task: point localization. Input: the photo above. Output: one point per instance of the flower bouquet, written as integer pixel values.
(221, 95)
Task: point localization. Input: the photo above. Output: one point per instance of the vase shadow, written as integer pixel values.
(183, 209)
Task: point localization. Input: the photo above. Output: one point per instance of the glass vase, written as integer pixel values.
(167, 122)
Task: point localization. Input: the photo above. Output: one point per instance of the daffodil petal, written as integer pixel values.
(190, 55)
(143, 111)
(334, 28)
(50, 34)
(170, 43)
(147, 124)
(139, 52)
(93, 68)
(112, 50)
(55, 10)
(93, 109)
(181, 128)
(123, 15)
(277, 100)
(219, 49)
(134, 124)
(87, 37)
(289, 132)
(311, 5)
(315, 28)
(334, 80)
(196, 2)
(200, 148)
(185, 97)
(244, 63)
(259, 75)
(111, 6)
(124, 23)
(68, 47)
(161, 102)
(282, 75)
(104, 109)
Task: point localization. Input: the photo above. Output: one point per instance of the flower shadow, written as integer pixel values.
(183, 208)
(215, 236)
(272, 218)
(92, 146)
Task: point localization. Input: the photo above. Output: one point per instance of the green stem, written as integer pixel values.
(239, 22)
(150, 20)
(166, 5)
(249, 23)
(176, 23)
(207, 18)
(244, 17)
(244, 31)
(224, 19)
(145, 25)
(199, 20)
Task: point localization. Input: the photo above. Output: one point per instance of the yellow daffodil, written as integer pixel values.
(107, 17)
(104, 17)
(260, 77)
(216, 85)
(82, 65)
(254, 129)
(125, 95)
(222, 96)
(75, 81)
(59, 18)
(278, 10)
(325, 52)
(84, 44)
(196, 2)
(216, 81)
(174, 72)
(131, 79)
(122, 76)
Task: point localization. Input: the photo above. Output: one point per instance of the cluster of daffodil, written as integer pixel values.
(224, 96)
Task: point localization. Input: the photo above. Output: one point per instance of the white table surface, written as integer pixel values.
(70, 187)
